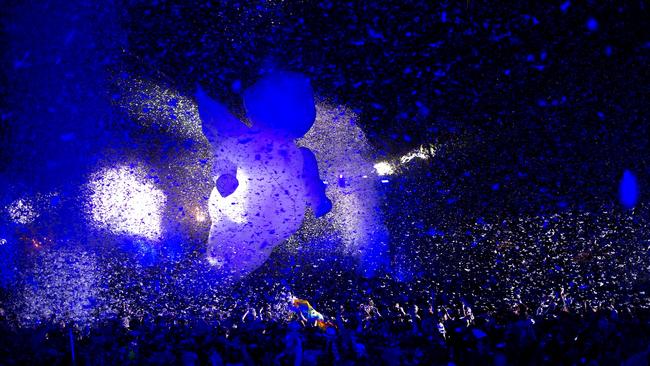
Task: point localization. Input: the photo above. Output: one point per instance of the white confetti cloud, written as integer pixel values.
(124, 201)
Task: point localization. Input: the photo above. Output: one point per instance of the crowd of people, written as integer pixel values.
(405, 330)
(565, 289)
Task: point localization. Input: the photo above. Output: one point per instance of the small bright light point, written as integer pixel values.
(384, 168)
(340, 176)
(3, 241)
(124, 201)
(384, 180)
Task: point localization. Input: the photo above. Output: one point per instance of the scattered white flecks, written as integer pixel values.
(65, 287)
(422, 152)
(22, 211)
(152, 104)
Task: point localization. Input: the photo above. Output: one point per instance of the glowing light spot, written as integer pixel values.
(384, 180)
(628, 189)
(3, 241)
(124, 201)
(200, 215)
(592, 24)
(217, 262)
(22, 211)
(384, 168)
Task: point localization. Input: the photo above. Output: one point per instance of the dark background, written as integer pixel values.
(545, 99)
(548, 100)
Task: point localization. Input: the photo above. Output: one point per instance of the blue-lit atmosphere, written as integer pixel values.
(325, 183)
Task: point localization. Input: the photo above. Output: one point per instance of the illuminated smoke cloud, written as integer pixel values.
(22, 211)
(153, 105)
(183, 161)
(345, 162)
(124, 201)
